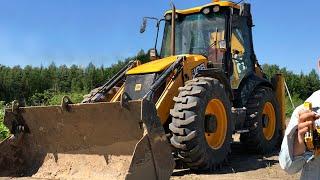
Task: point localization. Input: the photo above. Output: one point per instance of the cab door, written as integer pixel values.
(241, 49)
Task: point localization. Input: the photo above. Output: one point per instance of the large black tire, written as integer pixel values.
(255, 140)
(188, 124)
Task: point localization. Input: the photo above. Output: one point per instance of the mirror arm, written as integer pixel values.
(144, 23)
(158, 29)
(157, 26)
(153, 18)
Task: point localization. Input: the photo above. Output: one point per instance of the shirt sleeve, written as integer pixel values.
(292, 164)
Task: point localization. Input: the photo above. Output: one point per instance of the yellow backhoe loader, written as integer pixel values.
(182, 106)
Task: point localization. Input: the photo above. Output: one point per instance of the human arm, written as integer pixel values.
(293, 154)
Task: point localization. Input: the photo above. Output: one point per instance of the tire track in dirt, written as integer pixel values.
(242, 165)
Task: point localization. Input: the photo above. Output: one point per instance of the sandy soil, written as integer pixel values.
(242, 166)
(110, 161)
(68, 166)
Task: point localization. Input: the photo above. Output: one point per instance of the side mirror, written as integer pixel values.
(153, 54)
(143, 25)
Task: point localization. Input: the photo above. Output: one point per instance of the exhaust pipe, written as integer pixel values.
(173, 30)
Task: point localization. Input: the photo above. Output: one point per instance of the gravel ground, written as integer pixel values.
(242, 166)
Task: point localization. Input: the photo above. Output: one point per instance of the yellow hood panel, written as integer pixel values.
(158, 65)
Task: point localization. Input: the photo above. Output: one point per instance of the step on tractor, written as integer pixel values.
(182, 107)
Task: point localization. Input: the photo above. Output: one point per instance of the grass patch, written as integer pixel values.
(296, 101)
(75, 98)
(4, 131)
(50, 97)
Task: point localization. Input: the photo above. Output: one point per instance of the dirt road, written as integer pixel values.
(242, 166)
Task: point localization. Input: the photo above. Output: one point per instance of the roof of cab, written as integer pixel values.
(199, 8)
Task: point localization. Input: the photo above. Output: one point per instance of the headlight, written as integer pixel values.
(206, 11)
(216, 8)
(168, 17)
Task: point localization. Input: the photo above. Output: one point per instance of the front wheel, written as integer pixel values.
(201, 124)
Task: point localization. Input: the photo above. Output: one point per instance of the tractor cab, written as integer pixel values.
(220, 31)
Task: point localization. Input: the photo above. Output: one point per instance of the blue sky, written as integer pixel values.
(37, 32)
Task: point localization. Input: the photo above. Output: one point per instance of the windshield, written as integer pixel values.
(195, 34)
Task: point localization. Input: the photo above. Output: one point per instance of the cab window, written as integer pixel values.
(241, 49)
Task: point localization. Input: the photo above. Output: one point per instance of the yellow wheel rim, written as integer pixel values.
(270, 124)
(216, 108)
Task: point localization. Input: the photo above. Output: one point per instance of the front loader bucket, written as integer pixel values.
(100, 141)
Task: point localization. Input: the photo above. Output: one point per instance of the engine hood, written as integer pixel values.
(159, 65)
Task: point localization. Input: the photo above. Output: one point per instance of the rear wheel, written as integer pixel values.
(263, 120)
(201, 124)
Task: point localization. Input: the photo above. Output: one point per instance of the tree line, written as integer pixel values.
(37, 85)
(301, 85)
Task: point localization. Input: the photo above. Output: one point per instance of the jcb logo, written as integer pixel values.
(138, 87)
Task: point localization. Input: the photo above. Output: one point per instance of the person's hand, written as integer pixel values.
(306, 120)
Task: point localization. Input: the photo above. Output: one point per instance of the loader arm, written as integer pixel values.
(171, 73)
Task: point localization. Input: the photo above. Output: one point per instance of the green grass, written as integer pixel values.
(4, 132)
(50, 97)
(296, 101)
(75, 98)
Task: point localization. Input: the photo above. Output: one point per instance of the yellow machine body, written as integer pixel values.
(115, 137)
(165, 102)
(199, 8)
